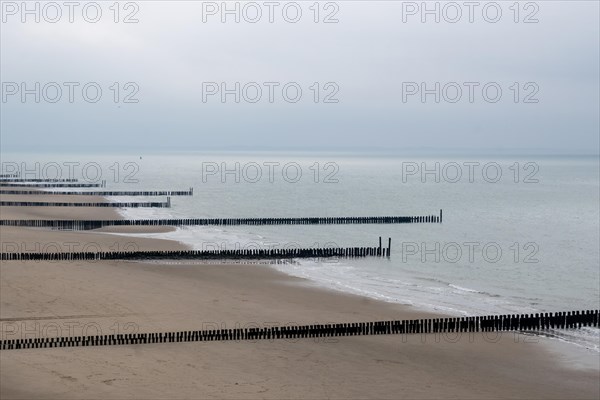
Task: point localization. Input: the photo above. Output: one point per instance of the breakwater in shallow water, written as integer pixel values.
(95, 224)
(189, 192)
(131, 204)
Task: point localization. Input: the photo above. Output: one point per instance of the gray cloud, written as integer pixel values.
(368, 54)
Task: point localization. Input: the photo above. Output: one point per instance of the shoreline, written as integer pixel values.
(160, 234)
(167, 297)
(554, 340)
(145, 235)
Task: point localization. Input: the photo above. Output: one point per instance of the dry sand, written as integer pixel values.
(40, 298)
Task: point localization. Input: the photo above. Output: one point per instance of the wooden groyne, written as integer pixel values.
(36, 180)
(146, 204)
(95, 224)
(536, 323)
(53, 184)
(246, 254)
(189, 192)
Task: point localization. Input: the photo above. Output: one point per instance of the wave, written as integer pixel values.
(464, 289)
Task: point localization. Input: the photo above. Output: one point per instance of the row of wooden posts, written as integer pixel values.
(95, 224)
(189, 192)
(53, 184)
(131, 204)
(493, 323)
(53, 180)
(315, 252)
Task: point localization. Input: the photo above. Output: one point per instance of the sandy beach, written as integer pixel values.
(41, 298)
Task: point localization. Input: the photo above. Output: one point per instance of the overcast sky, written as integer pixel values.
(369, 68)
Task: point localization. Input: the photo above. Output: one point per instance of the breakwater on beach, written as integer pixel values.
(205, 254)
(535, 323)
